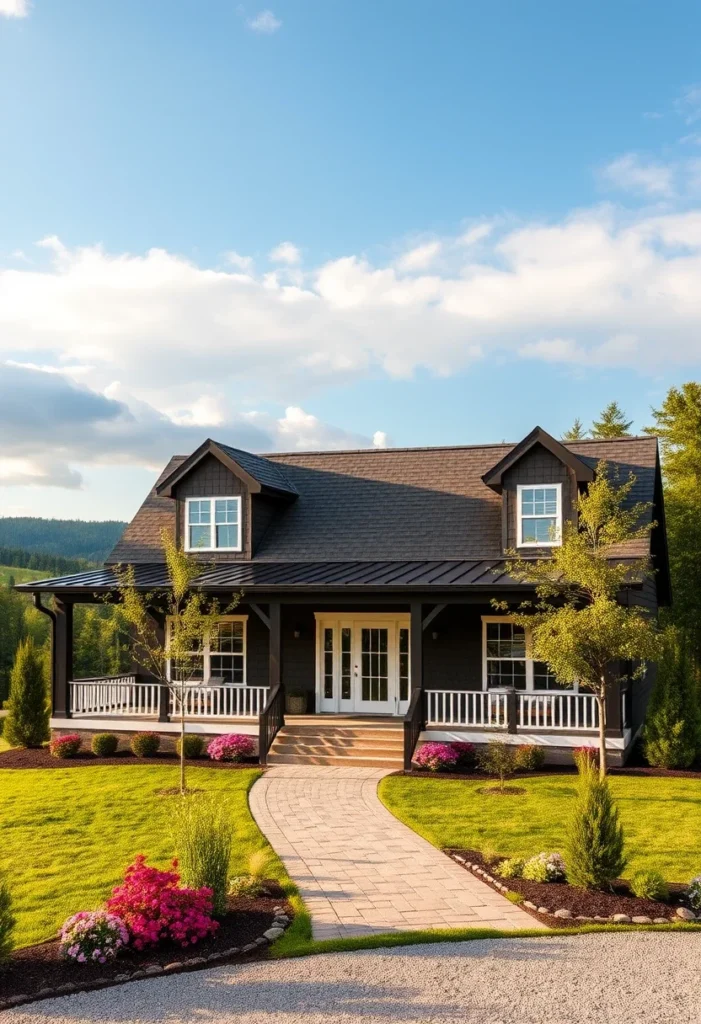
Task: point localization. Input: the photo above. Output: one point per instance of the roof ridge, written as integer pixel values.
(448, 447)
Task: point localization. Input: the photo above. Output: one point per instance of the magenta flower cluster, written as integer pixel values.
(436, 757)
(66, 746)
(156, 909)
(93, 937)
(231, 747)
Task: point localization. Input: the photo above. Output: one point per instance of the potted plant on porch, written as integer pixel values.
(295, 702)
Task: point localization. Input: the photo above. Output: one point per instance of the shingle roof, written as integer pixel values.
(388, 504)
(262, 468)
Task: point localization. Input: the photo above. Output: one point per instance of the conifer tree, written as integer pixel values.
(595, 848)
(672, 736)
(613, 423)
(27, 724)
(576, 432)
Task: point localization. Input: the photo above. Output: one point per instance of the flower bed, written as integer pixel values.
(41, 971)
(19, 758)
(579, 905)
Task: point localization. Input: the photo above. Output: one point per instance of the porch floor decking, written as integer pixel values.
(361, 871)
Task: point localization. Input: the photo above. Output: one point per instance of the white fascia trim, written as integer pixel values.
(539, 739)
(207, 728)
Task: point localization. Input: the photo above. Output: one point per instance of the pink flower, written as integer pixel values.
(231, 747)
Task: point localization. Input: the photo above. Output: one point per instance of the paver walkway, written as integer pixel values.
(360, 870)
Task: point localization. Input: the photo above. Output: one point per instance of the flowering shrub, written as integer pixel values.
(66, 746)
(93, 936)
(545, 867)
(529, 757)
(231, 747)
(694, 893)
(467, 758)
(155, 908)
(585, 757)
(145, 744)
(512, 868)
(436, 757)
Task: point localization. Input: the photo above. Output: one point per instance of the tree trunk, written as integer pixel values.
(182, 739)
(601, 704)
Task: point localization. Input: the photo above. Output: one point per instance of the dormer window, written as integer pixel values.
(539, 515)
(213, 524)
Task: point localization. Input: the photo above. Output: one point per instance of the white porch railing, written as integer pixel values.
(118, 695)
(485, 709)
(558, 711)
(220, 701)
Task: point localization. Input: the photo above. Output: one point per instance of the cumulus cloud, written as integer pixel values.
(420, 257)
(264, 22)
(14, 8)
(285, 252)
(630, 173)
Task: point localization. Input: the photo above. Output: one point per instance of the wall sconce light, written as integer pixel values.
(297, 633)
(434, 634)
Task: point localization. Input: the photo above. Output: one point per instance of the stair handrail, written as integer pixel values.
(270, 721)
(413, 724)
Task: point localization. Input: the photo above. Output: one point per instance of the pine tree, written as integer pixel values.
(27, 724)
(613, 423)
(576, 432)
(595, 848)
(672, 736)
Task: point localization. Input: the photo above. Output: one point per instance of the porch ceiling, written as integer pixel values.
(316, 576)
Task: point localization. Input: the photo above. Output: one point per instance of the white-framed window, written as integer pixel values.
(539, 515)
(213, 524)
(222, 659)
(506, 659)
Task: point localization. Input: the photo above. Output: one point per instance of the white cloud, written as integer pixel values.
(14, 8)
(235, 259)
(629, 173)
(265, 22)
(420, 257)
(380, 439)
(475, 234)
(688, 105)
(285, 252)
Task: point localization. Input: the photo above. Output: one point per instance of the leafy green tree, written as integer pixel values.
(677, 424)
(27, 723)
(576, 432)
(613, 423)
(577, 625)
(171, 658)
(672, 736)
(595, 848)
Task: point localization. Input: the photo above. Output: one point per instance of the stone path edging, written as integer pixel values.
(360, 870)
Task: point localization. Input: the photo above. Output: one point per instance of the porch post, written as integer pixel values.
(416, 647)
(62, 658)
(275, 659)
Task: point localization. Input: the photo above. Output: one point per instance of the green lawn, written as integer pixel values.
(661, 817)
(66, 835)
(21, 575)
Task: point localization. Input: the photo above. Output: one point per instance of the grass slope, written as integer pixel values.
(20, 575)
(66, 836)
(661, 817)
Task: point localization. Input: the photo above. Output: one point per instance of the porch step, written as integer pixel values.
(311, 739)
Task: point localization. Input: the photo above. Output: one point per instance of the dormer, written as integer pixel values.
(539, 480)
(225, 500)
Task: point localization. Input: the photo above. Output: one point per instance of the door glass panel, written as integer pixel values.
(404, 664)
(345, 663)
(375, 682)
(328, 664)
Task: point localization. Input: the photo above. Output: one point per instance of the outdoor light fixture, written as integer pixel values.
(297, 633)
(434, 634)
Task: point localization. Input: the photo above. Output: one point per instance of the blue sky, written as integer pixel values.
(327, 222)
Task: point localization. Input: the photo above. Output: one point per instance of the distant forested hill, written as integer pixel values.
(68, 538)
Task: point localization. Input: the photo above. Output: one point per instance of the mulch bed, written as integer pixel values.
(40, 967)
(580, 902)
(41, 758)
(631, 770)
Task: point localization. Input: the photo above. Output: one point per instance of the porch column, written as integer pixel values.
(416, 647)
(275, 657)
(62, 658)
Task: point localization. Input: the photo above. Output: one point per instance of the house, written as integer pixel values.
(367, 578)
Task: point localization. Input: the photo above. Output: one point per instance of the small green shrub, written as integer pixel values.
(649, 885)
(203, 835)
(694, 893)
(514, 897)
(194, 746)
(27, 722)
(544, 867)
(104, 744)
(595, 849)
(498, 758)
(145, 744)
(529, 757)
(7, 921)
(512, 868)
(252, 884)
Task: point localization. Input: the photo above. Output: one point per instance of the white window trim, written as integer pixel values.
(212, 524)
(528, 659)
(207, 653)
(520, 488)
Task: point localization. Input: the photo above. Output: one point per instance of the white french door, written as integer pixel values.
(363, 664)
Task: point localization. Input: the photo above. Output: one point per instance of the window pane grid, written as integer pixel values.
(221, 659)
(213, 523)
(539, 515)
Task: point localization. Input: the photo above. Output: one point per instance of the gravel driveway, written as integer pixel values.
(624, 978)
